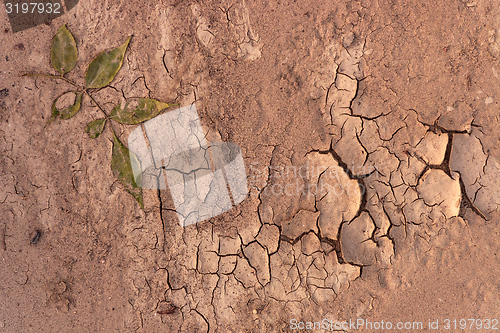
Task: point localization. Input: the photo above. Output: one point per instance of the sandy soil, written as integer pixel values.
(392, 106)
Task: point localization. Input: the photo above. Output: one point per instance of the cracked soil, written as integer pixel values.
(369, 131)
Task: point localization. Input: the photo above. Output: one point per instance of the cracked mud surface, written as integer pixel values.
(369, 134)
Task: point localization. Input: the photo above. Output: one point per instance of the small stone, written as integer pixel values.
(61, 287)
(488, 100)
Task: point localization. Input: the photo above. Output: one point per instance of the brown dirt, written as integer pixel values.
(395, 101)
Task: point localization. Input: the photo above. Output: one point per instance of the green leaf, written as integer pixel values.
(122, 169)
(137, 111)
(54, 114)
(136, 165)
(63, 53)
(69, 111)
(103, 69)
(95, 128)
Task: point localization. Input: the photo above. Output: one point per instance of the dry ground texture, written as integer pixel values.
(391, 106)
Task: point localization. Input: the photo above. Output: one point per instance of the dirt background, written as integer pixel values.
(408, 89)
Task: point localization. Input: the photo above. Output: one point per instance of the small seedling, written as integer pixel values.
(100, 73)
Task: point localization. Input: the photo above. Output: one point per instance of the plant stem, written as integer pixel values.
(93, 100)
(60, 77)
(70, 82)
(102, 110)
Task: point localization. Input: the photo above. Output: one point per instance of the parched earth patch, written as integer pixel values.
(369, 135)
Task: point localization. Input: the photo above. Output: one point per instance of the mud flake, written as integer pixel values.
(437, 188)
(208, 262)
(433, 147)
(371, 141)
(415, 211)
(303, 221)
(229, 245)
(323, 295)
(344, 82)
(376, 209)
(480, 173)
(276, 290)
(338, 196)
(282, 268)
(467, 158)
(411, 169)
(487, 199)
(457, 118)
(339, 99)
(357, 248)
(258, 258)
(385, 251)
(349, 148)
(339, 275)
(268, 237)
(310, 244)
(350, 60)
(227, 264)
(245, 273)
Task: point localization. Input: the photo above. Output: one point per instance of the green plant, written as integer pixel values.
(100, 73)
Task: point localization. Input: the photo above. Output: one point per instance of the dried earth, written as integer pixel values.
(369, 131)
